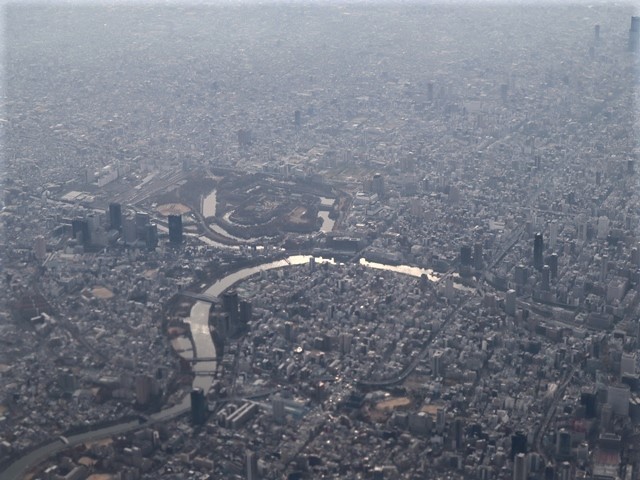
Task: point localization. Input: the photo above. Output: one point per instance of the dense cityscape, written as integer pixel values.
(299, 241)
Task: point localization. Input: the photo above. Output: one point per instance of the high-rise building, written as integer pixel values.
(634, 34)
(430, 92)
(252, 465)
(552, 261)
(590, 401)
(377, 185)
(518, 444)
(553, 234)
(277, 404)
(198, 406)
(546, 278)
(436, 363)
(465, 255)
(151, 236)
(628, 364)
(510, 303)
(80, 231)
(478, 256)
(146, 387)
(563, 444)
(142, 220)
(538, 250)
(115, 216)
(504, 91)
(246, 312)
(564, 471)
(603, 227)
(441, 418)
(244, 138)
(596, 33)
(520, 467)
(129, 230)
(618, 398)
(297, 118)
(230, 305)
(175, 229)
(40, 247)
(458, 432)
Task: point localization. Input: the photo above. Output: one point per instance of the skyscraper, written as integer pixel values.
(198, 406)
(175, 229)
(115, 216)
(538, 249)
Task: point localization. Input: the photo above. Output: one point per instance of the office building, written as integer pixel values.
(198, 406)
(115, 216)
(538, 250)
(175, 229)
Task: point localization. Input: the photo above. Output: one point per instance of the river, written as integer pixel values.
(203, 347)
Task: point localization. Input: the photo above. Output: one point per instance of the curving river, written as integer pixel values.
(203, 348)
